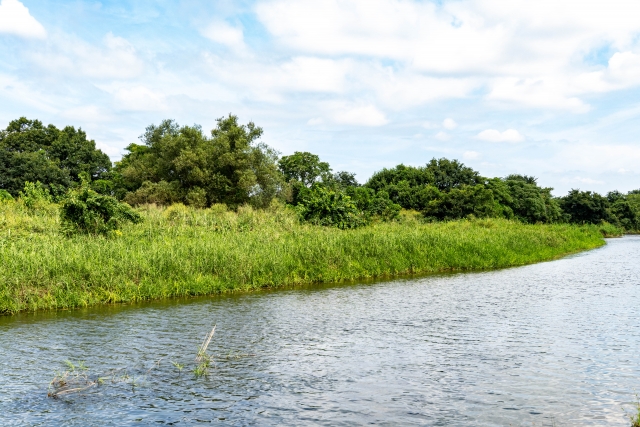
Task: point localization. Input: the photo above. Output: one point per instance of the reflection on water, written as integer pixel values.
(557, 342)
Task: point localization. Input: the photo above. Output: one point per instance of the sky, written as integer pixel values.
(549, 88)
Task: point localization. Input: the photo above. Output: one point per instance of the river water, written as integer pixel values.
(555, 343)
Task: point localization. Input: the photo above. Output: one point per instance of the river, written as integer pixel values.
(551, 344)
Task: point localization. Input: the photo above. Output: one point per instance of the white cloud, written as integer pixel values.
(140, 98)
(471, 155)
(492, 135)
(68, 55)
(86, 114)
(364, 115)
(587, 180)
(528, 54)
(19, 93)
(315, 121)
(403, 30)
(598, 158)
(225, 34)
(449, 123)
(16, 19)
(548, 93)
(443, 136)
(430, 125)
(402, 89)
(313, 74)
(271, 82)
(622, 71)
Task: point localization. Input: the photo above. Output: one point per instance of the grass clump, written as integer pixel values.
(183, 251)
(634, 417)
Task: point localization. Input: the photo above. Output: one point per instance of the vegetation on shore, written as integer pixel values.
(184, 164)
(183, 251)
(225, 212)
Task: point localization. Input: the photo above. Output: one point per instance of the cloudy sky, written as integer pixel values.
(549, 88)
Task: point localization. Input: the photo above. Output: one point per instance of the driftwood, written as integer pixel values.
(203, 347)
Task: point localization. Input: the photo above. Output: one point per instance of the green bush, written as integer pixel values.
(464, 202)
(322, 206)
(5, 196)
(84, 211)
(159, 193)
(372, 205)
(35, 195)
(177, 213)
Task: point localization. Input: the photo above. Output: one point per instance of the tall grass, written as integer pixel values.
(180, 251)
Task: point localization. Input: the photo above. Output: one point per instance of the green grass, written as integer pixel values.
(184, 252)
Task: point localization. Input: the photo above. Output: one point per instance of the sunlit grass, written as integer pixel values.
(186, 252)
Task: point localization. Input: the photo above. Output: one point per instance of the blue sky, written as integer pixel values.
(546, 88)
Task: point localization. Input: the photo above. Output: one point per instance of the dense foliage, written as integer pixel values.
(585, 207)
(304, 167)
(32, 152)
(182, 164)
(184, 251)
(337, 199)
(86, 212)
(231, 167)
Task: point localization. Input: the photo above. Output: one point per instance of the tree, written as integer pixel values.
(450, 174)
(525, 200)
(29, 151)
(343, 180)
(303, 167)
(633, 197)
(323, 198)
(462, 202)
(586, 207)
(412, 176)
(182, 163)
(626, 212)
(415, 187)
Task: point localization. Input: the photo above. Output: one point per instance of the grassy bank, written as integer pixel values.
(181, 252)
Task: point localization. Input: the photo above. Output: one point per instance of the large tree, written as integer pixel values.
(522, 198)
(30, 151)
(586, 207)
(415, 187)
(304, 167)
(182, 163)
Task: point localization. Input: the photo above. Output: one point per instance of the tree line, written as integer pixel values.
(231, 166)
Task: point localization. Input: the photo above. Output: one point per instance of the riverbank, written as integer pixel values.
(187, 252)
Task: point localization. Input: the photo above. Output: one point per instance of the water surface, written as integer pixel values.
(555, 343)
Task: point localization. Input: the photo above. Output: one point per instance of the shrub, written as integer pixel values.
(322, 206)
(35, 195)
(218, 208)
(86, 212)
(177, 213)
(159, 193)
(197, 197)
(5, 196)
(373, 205)
(465, 202)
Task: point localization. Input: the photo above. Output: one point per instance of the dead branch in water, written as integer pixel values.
(203, 347)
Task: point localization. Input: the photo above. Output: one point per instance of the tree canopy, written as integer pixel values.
(32, 152)
(182, 163)
(230, 165)
(303, 167)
